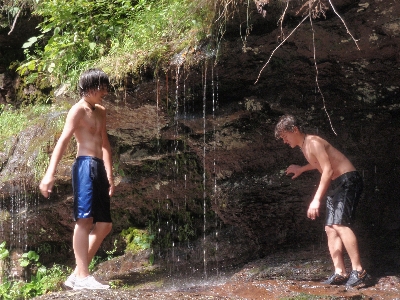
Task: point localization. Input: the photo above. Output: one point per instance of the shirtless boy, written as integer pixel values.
(345, 189)
(92, 178)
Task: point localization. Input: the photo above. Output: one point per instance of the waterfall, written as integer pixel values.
(182, 156)
(204, 168)
(214, 108)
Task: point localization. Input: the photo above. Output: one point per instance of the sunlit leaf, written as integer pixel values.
(51, 67)
(30, 42)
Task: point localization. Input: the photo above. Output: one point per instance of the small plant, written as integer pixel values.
(98, 259)
(186, 232)
(94, 262)
(29, 258)
(111, 253)
(42, 280)
(136, 239)
(44, 248)
(4, 253)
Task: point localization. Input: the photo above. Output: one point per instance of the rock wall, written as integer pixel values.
(195, 153)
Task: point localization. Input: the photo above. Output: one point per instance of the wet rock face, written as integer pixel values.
(171, 162)
(360, 94)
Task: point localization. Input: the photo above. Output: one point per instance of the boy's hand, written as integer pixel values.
(313, 210)
(295, 170)
(111, 189)
(46, 186)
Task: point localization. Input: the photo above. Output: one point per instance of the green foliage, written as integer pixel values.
(136, 239)
(158, 32)
(118, 35)
(4, 253)
(43, 280)
(28, 258)
(186, 232)
(44, 248)
(13, 122)
(94, 262)
(9, 9)
(98, 259)
(111, 253)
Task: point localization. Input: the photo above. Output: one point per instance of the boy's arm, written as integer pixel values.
(298, 170)
(107, 157)
(71, 123)
(319, 151)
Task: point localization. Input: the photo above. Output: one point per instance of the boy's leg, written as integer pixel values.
(80, 242)
(349, 240)
(335, 246)
(96, 237)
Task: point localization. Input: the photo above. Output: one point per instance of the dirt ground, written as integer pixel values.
(290, 275)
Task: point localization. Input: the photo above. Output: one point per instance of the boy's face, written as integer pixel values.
(103, 91)
(100, 93)
(289, 137)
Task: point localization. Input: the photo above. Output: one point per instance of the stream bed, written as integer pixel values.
(288, 275)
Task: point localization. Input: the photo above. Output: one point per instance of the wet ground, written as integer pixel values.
(294, 275)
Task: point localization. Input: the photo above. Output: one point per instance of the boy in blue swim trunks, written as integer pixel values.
(92, 178)
(346, 185)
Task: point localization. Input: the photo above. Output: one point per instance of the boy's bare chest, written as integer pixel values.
(311, 158)
(91, 122)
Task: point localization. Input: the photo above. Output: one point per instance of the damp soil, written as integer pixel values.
(289, 275)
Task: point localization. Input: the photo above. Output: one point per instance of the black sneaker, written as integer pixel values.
(357, 278)
(336, 279)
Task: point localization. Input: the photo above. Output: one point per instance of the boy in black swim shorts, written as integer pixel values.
(342, 199)
(92, 177)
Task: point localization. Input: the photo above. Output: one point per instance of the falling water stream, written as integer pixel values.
(204, 168)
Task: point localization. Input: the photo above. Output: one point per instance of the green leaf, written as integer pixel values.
(31, 65)
(56, 30)
(24, 263)
(4, 253)
(30, 42)
(32, 255)
(51, 68)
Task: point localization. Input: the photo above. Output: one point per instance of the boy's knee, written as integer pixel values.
(109, 227)
(331, 231)
(85, 224)
(339, 228)
(104, 227)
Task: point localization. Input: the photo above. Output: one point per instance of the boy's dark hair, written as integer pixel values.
(287, 123)
(92, 79)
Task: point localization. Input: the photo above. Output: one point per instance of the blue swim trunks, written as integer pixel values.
(342, 199)
(90, 186)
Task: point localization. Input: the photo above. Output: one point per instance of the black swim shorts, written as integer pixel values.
(90, 185)
(342, 199)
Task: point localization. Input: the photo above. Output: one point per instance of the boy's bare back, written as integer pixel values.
(89, 129)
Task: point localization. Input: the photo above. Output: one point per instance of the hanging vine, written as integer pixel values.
(310, 9)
